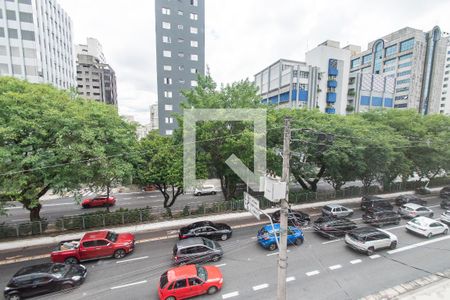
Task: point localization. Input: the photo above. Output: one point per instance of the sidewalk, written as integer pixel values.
(46, 240)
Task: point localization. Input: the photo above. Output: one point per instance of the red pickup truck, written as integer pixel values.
(94, 245)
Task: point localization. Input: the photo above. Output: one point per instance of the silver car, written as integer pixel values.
(196, 250)
(412, 210)
(336, 210)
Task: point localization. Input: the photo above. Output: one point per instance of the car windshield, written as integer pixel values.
(60, 270)
(163, 280)
(356, 237)
(202, 273)
(417, 222)
(112, 236)
(208, 243)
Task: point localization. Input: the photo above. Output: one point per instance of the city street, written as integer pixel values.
(317, 269)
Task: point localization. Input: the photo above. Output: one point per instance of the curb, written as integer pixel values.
(407, 287)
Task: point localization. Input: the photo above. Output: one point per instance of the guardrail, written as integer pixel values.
(121, 216)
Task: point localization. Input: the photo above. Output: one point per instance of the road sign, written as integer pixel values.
(252, 205)
(274, 189)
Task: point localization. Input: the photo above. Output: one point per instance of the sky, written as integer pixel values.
(242, 36)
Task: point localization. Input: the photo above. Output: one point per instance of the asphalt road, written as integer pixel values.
(318, 269)
(55, 208)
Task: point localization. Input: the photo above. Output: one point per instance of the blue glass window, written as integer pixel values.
(391, 50)
(403, 81)
(406, 45)
(378, 53)
(403, 89)
(388, 69)
(390, 62)
(404, 65)
(355, 63)
(367, 58)
(365, 100)
(403, 57)
(404, 73)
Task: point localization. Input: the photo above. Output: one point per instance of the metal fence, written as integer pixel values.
(145, 215)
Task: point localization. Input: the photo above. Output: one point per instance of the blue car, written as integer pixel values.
(266, 236)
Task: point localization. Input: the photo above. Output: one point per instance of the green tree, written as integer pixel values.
(51, 140)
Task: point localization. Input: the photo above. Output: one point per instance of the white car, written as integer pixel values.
(370, 239)
(205, 190)
(336, 210)
(426, 227)
(412, 210)
(445, 217)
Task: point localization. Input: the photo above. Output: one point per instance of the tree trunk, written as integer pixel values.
(107, 197)
(35, 213)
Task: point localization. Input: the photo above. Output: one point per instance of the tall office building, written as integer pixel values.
(180, 54)
(289, 83)
(445, 95)
(96, 79)
(36, 42)
(415, 59)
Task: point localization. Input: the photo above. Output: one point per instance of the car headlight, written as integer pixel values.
(7, 288)
(76, 278)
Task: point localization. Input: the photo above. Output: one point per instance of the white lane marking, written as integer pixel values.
(14, 207)
(418, 245)
(221, 265)
(312, 273)
(20, 220)
(260, 287)
(128, 198)
(58, 204)
(276, 253)
(357, 219)
(127, 285)
(333, 241)
(375, 256)
(230, 295)
(254, 237)
(131, 259)
(292, 278)
(335, 267)
(140, 197)
(356, 261)
(153, 196)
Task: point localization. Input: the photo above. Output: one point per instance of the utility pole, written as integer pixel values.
(284, 206)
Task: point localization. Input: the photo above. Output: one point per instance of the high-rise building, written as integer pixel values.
(36, 42)
(415, 59)
(445, 95)
(180, 54)
(334, 64)
(289, 83)
(154, 121)
(96, 79)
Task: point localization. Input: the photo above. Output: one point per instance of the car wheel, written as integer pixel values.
(215, 258)
(272, 247)
(71, 261)
(85, 206)
(429, 235)
(370, 251)
(431, 215)
(212, 290)
(66, 286)
(214, 193)
(350, 214)
(393, 245)
(197, 194)
(298, 242)
(13, 297)
(171, 298)
(119, 254)
(397, 222)
(445, 232)
(224, 237)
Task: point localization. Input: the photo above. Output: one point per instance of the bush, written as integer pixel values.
(23, 229)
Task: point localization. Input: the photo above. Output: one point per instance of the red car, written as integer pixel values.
(94, 245)
(102, 200)
(189, 281)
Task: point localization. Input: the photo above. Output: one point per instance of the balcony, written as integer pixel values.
(331, 97)
(330, 110)
(332, 83)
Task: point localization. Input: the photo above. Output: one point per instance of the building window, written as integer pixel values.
(403, 81)
(406, 56)
(194, 44)
(168, 107)
(169, 131)
(167, 39)
(446, 79)
(165, 11)
(180, 40)
(367, 59)
(166, 25)
(181, 81)
(391, 50)
(167, 80)
(194, 71)
(169, 120)
(167, 53)
(167, 68)
(28, 35)
(25, 17)
(180, 12)
(11, 15)
(194, 30)
(4, 69)
(404, 65)
(181, 68)
(167, 94)
(194, 2)
(2, 32)
(194, 57)
(355, 62)
(12, 33)
(390, 62)
(25, 2)
(406, 45)
(404, 73)
(180, 27)
(378, 53)
(180, 54)
(17, 69)
(194, 83)
(193, 16)
(15, 51)
(303, 74)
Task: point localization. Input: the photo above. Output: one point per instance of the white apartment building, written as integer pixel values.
(154, 122)
(444, 107)
(36, 42)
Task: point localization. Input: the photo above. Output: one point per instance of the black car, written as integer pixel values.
(368, 202)
(206, 229)
(403, 199)
(332, 227)
(380, 217)
(445, 203)
(43, 279)
(295, 218)
(445, 192)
